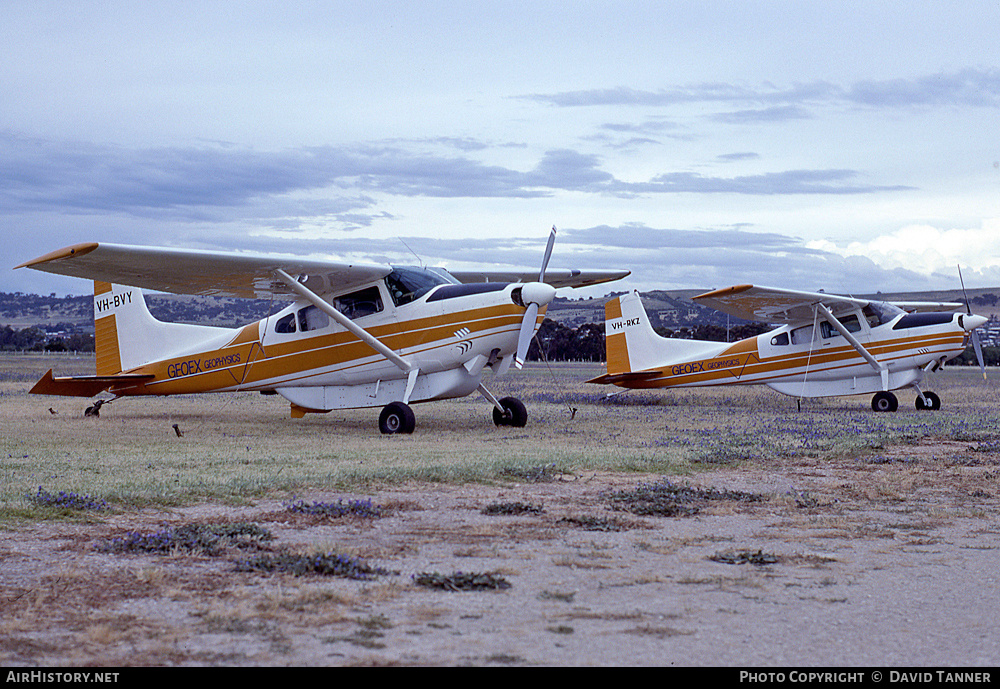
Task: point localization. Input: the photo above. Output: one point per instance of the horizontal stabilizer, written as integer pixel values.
(84, 386)
(616, 378)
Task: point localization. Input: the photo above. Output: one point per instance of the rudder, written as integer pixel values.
(629, 337)
(126, 335)
(632, 344)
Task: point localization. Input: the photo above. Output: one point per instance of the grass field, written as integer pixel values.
(243, 445)
(702, 527)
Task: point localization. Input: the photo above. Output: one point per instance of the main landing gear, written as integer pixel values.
(397, 417)
(514, 413)
(886, 401)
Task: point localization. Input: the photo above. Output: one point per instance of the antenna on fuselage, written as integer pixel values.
(419, 262)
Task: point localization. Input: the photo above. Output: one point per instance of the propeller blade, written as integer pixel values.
(548, 254)
(968, 306)
(524, 337)
(973, 333)
(979, 351)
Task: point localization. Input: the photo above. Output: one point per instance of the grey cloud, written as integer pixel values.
(977, 88)
(778, 113)
(708, 259)
(213, 184)
(788, 182)
(696, 93)
(969, 87)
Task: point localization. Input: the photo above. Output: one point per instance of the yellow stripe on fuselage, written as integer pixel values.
(742, 364)
(246, 363)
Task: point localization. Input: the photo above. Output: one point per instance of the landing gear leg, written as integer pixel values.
(396, 417)
(928, 400)
(508, 411)
(884, 401)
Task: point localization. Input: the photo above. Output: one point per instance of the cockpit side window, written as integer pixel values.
(285, 324)
(802, 335)
(879, 313)
(358, 304)
(780, 339)
(311, 318)
(408, 284)
(850, 323)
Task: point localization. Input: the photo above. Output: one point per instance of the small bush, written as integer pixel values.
(510, 508)
(668, 499)
(209, 539)
(341, 508)
(743, 557)
(64, 500)
(461, 581)
(325, 564)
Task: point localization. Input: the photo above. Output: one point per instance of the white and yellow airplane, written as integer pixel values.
(826, 345)
(355, 336)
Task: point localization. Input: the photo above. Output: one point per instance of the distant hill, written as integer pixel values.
(670, 309)
(20, 310)
(674, 308)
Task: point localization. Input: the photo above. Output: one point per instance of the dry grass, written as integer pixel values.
(855, 506)
(237, 447)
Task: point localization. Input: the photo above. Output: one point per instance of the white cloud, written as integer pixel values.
(927, 249)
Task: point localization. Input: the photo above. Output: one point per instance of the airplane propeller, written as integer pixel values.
(971, 325)
(534, 295)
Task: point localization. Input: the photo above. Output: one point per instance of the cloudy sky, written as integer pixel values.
(845, 146)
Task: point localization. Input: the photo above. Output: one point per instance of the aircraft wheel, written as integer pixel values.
(932, 402)
(884, 401)
(396, 417)
(515, 415)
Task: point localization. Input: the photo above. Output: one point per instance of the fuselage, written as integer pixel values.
(812, 359)
(447, 331)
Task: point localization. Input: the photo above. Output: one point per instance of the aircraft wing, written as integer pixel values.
(774, 305)
(553, 276)
(934, 306)
(186, 271)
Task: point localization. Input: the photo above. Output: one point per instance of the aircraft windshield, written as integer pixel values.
(881, 312)
(407, 283)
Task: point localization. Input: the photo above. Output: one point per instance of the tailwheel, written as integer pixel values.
(928, 400)
(514, 413)
(396, 417)
(884, 401)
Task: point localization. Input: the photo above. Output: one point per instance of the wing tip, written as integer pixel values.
(59, 254)
(726, 291)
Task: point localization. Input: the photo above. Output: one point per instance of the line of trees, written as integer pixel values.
(35, 339)
(558, 342)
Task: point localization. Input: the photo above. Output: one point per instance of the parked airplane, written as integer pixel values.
(356, 335)
(826, 345)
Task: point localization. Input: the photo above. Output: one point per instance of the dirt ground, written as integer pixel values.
(860, 564)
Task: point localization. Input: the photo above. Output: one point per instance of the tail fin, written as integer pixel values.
(632, 344)
(120, 314)
(127, 336)
(630, 339)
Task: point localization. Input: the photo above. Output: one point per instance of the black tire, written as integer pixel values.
(884, 401)
(932, 401)
(396, 417)
(514, 415)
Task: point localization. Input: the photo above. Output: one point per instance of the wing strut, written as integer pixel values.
(362, 334)
(849, 336)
